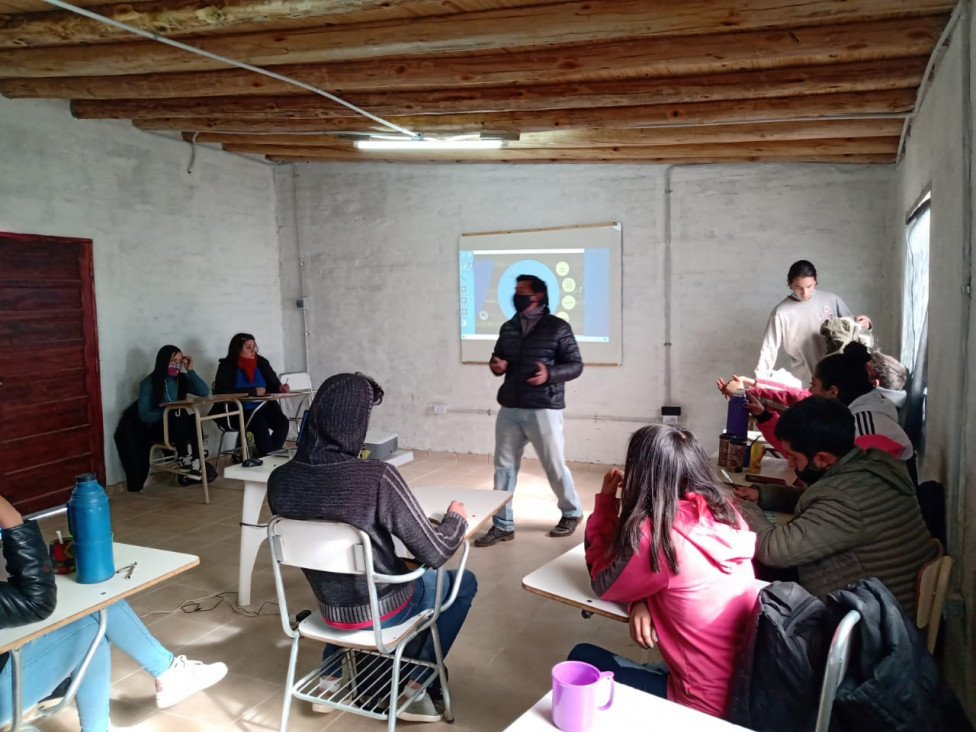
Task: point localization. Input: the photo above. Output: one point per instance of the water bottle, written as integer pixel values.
(737, 420)
(91, 528)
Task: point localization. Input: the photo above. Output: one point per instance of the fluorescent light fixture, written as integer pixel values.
(425, 144)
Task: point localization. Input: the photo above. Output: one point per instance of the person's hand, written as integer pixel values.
(754, 405)
(458, 508)
(285, 388)
(260, 390)
(9, 516)
(541, 375)
(497, 365)
(729, 387)
(746, 493)
(864, 321)
(612, 481)
(641, 626)
(188, 362)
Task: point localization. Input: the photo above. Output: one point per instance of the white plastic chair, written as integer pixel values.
(837, 660)
(369, 655)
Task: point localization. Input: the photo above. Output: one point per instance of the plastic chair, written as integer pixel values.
(370, 655)
(837, 660)
(930, 592)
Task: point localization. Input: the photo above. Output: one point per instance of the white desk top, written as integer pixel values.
(480, 505)
(632, 709)
(257, 474)
(77, 600)
(566, 580)
(772, 467)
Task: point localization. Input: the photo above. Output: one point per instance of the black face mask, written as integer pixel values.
(810, 474)
(522, 302)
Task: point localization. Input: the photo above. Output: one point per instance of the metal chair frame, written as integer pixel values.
(369, 655)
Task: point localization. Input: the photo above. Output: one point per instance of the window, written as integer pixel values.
(915, 304)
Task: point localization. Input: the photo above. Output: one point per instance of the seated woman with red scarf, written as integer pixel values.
(243, 371)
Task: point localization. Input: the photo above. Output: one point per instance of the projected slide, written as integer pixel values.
(580, 266)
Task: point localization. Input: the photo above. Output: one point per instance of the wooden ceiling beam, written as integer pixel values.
(505, 28)
(893, 103)
(707, 134)
(180, 18)
(639, 58)
(714, 159)
(781, 150)
(839, 78)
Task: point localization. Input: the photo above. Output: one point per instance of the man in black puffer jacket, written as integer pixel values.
(537, 353)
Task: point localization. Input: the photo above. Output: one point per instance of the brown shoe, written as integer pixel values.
(494, 536)
(566, 526)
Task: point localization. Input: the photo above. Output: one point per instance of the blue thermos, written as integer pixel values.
(737, 421)
(91, 528)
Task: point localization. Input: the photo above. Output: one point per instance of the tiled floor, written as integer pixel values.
(499, 664)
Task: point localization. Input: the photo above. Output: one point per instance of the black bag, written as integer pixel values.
(779, 671)
(133, 442)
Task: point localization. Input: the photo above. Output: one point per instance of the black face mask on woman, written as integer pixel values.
(521, 302)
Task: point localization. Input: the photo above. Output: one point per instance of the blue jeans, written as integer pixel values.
(448, 624)
(50, 659)
(649, 677)
(514, 428)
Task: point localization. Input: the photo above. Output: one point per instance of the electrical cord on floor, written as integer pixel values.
(197, 606)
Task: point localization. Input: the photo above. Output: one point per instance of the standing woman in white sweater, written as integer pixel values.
(794, 324)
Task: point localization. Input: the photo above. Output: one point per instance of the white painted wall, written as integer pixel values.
(379, 243)
(936, 158)
(183, 258)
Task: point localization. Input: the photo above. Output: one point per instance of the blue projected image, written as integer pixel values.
(578, 283)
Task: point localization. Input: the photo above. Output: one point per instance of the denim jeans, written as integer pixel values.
(50, 659)
(514, 428)
(448, 624)
(649, 677)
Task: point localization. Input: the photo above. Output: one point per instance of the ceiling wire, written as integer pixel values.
(232, 62)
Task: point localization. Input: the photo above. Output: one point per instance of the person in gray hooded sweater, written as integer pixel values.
(326, 480)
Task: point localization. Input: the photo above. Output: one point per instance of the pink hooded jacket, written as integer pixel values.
(701, 613)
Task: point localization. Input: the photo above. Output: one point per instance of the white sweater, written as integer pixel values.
(795, 326)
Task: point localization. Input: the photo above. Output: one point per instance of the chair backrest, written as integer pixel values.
(837, 660)
(325, 546)
(297, 380)
(930, 592)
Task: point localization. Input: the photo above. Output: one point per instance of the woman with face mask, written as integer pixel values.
(171, 380)
(243, 371)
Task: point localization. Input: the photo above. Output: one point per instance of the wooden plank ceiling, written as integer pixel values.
(662, 81)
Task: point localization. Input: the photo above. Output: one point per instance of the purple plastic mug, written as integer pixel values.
(574, 695)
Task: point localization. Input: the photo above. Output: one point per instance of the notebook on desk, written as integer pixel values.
(289, 452)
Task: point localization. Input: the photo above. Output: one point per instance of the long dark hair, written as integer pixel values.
(236, 344)
(159, 375)
(848, 371)
(664, 463)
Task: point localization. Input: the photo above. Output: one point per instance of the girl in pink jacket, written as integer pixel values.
(675, 549)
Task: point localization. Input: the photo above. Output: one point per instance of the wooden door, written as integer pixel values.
(50, 397)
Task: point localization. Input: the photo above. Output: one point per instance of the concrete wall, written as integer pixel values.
(938, 158)
(183, 258)
(379, 244)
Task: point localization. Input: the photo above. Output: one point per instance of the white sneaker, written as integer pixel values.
(328, 685)
(421, 709)
(185, 678)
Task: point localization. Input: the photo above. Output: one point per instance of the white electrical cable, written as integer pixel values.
(231, 62)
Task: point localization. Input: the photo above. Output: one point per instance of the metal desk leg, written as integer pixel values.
(203, 456)
(16, 673)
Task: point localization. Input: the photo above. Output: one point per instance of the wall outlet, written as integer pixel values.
(670, 415)
(440, 408)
